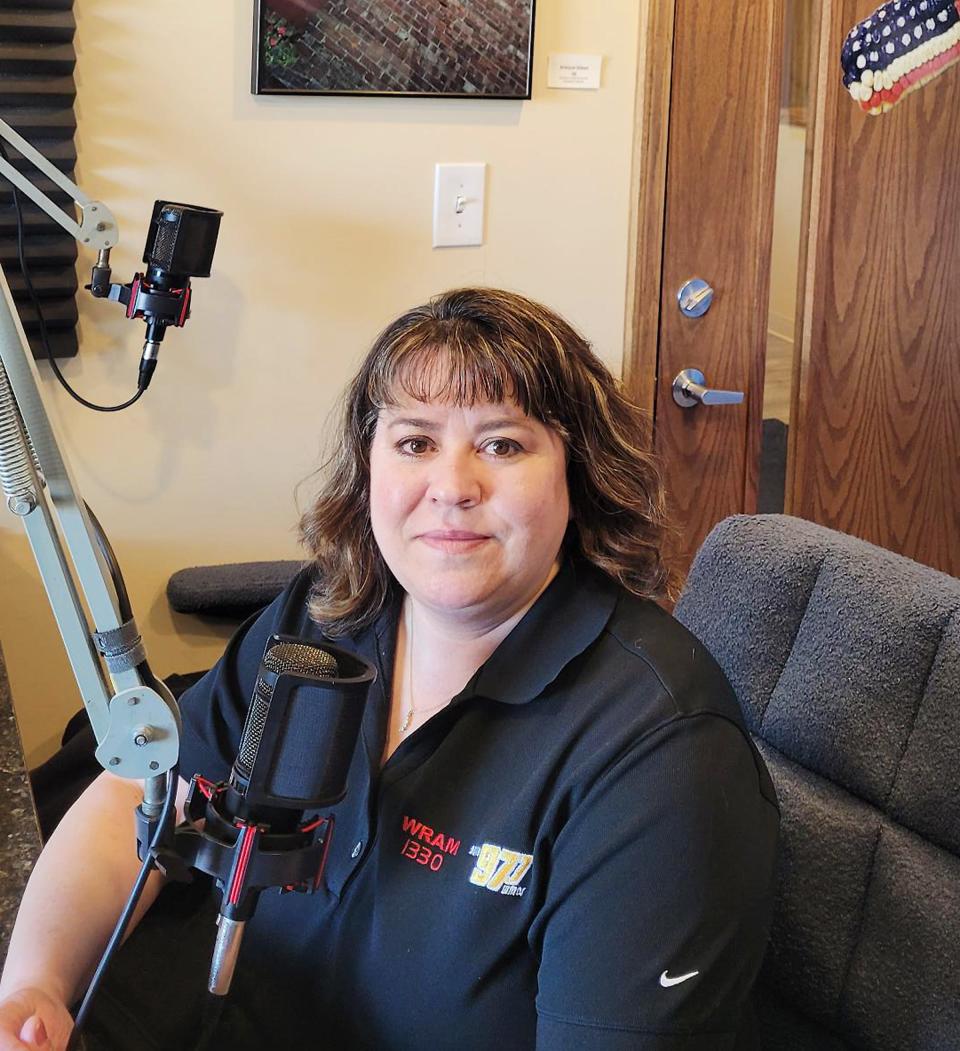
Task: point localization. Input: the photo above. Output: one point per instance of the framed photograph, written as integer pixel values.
(419, 48)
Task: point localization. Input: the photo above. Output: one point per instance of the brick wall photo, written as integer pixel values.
(432, 47)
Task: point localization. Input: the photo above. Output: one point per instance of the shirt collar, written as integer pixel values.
(570, 614)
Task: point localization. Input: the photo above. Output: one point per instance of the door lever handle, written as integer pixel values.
(689, 389)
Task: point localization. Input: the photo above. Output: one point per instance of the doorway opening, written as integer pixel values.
(785, 254)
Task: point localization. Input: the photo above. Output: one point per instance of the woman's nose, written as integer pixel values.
(455, 481)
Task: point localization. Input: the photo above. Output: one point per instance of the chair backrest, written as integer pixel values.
(846, 661)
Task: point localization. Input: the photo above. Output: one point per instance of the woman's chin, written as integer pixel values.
(454, 596)
(455, 603)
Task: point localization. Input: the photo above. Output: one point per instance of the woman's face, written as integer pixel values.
(468, 505)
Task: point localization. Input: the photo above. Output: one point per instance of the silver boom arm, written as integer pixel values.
(137, 724)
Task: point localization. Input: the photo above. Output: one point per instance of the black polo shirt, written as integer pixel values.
(576, 853)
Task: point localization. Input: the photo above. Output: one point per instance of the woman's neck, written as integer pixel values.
(436, 656)
(458, 644)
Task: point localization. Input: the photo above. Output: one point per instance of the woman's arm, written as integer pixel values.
(85, 873)
(659, 898)
(72, 902)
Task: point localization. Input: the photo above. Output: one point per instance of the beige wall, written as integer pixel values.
(326, 236)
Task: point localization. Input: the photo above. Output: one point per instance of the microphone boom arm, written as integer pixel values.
(97, 227)
(136, 722)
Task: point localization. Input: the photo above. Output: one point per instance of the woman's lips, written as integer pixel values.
(453, 539)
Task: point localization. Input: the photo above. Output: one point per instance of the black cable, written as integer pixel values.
(124, 921)
(35, 300)
(106, 550)
(209, 1020)
(123, 598)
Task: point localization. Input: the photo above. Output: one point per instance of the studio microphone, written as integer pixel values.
(180, 244)
(295, 751)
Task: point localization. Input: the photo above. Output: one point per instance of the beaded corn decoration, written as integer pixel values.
(900, 47)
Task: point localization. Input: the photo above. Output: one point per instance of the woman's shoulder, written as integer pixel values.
(680, 694)
(684, 667)
(644, 644)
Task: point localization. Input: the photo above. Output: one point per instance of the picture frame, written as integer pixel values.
(403, 48)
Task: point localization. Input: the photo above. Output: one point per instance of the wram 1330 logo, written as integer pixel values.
(499, 869)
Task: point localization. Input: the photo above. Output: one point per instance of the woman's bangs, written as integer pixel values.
(457, 373)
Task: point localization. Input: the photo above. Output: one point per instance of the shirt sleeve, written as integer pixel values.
(659, 898)
(213, 710)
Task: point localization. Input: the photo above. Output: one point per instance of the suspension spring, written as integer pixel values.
(18, 463)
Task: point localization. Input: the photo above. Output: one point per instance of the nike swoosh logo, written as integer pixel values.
(667, 982)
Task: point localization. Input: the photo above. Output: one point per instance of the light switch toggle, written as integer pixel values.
(458, 199)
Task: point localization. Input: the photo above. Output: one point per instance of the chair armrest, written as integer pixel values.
(233, 590)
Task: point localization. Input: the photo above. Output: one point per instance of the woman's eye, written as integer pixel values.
(414, 446)
(501, 448)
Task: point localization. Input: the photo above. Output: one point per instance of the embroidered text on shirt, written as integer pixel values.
(500, 869)
(425, 845)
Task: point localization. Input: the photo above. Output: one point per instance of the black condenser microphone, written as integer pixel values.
(298, 741)
(180, 245)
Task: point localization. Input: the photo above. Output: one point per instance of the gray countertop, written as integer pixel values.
(19, 830)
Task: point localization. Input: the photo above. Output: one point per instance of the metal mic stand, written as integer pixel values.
(134, 717)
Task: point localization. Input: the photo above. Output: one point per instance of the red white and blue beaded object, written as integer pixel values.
(900, 47)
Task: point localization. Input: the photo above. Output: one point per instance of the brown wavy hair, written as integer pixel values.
(482, 344)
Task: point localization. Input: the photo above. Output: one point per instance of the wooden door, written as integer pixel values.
(874, 447)
(875, 426)
(707, 139)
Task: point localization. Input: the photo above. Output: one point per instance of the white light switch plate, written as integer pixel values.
(458, 204)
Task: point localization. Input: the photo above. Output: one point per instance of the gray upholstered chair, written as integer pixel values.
(846, 661)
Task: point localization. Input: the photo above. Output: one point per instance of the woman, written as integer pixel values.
(556, 833)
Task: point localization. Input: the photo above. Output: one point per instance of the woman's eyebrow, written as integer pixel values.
(417, 422)
(422, 423)
(504, 421)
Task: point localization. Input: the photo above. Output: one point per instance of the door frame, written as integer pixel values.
(648, 191)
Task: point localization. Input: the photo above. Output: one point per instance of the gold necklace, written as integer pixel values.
(411, 707)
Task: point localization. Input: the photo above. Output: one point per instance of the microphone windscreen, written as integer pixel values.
(182, 238)
(297, 657)
(302, 726)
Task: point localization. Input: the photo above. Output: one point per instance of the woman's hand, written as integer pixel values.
(31, 1018)
(68, 912)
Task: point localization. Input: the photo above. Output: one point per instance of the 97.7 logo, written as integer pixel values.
(500, 869)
